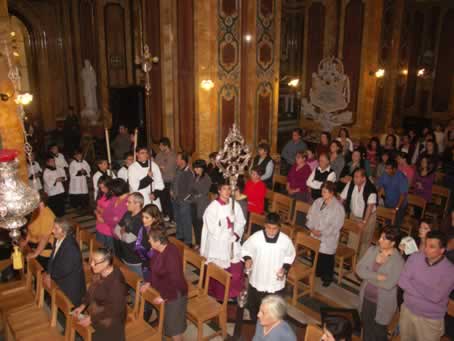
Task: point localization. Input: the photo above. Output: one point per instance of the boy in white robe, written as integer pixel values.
(79, 172)
(34, 171)
(144, 176)
(123, 171)
(268, 254)
(220, 243)
(103, 170)
(54, 178)
(60, 161)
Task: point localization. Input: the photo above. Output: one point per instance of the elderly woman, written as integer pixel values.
(380, 270)
(271, 325)
(325, 220)
(106, 299)
(297, 178)
(168, 279)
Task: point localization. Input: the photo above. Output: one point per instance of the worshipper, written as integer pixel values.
(344, 138)
(408, 147)
(296, 144)
(323, 146)
(145, 177)
(34, 172)
(404, 167)
(127, 231)
(121, 143)
(360, 202)
(240, 198)
(297, 178)
(65, 264)
(199, 197)
(268, 254)
(420, 240)
(39, 233)
(390, 132)
(337, 161)
(151, 219)
(381, 165)
(311, 160)
(373, 154)
(53, 179)
(392, 186)
(180, 193)
(356, 162)
(103, 170)
(255, 190)
(117, 207)
(79, 171)
(318, 176)
(271, 325)
(265, 163)
(214, 173)
(167, 162)
(103, 230)
(105, 300)
(424, 180)
(60, 161)
(430, 152)
(168, 279)
(336, 328)
(325, 220)
(379, 270)
(71, 131)
(449, 320)
(128, 161)
(427, 280)
(221, 236)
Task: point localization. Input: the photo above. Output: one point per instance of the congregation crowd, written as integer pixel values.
(137, 202)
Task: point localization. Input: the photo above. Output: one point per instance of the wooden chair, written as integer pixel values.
(133, 281)
(191, 257)
(385, 216)
(438, 208)
(96, 245)
(269, 196)
(345, 252)
(313, 333)
(451, 307)
(179, 244)
(439, 177)
(140, 330)
(84, 332)
(204, 308)
(86, 242)
(254, 219)
(416, 210)
(279, 183)
(288, 230)
(301, 209)
(283, 205)
(300, 271)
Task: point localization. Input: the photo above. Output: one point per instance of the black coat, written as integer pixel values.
(67, 271)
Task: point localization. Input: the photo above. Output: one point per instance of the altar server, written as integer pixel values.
(123, 171)
(268, 254)
(144, 176)
(103, 170)
(34, 171)
(221, 236)
(53, 185)
(60, 161)
(79, 171)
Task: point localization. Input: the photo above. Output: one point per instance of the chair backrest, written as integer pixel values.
(351, 228)
(193, 258)
(86, 240)
(416, 201)
(282, 205)
(133, 281)
(299, 213)
(451, 307)
(313, 333)
(63, 304)
(149, 296)
(439, 177)
(34, 273)
(96, 245)
(306, 241)
(77, 230)
(279, 183)
(288, 230)
(440, 197)
(254, 219)
(179, 244)
(385, 216)
(222, 276)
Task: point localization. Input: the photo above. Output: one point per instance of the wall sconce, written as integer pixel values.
(294, 82)
(404, 72)
(13, 34)
(421, 72)
(207, 84)
(24, 99)
(380, 73)
(248, 37)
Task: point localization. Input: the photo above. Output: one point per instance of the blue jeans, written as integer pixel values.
(107, 241)
(182, 213)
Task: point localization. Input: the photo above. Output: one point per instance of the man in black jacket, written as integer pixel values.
(65, 263)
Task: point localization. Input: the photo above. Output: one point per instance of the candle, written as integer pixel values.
(135, 142)
(109, 159)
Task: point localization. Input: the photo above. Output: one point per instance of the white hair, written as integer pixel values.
(276, 305)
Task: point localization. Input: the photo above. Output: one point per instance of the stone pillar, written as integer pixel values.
(11, 133)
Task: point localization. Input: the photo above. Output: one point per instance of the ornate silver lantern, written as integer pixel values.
(17, 199)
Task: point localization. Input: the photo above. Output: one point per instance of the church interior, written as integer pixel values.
(329, 120)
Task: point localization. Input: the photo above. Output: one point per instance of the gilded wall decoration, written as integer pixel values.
(266, 10)
(229, 39)
(264, 109)
(228, 109)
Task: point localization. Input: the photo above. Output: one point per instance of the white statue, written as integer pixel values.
(88, 75)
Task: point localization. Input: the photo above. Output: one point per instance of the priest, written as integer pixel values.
(221, 236)
(268, 255)
(145, 177)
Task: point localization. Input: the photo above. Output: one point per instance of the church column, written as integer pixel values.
(11, 134)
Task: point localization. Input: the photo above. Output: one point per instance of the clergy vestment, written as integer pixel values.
(79, 171)
(34, 170)
(123, 173)
(140, 182)
(55, 189)
(220, 244)
(60, 161)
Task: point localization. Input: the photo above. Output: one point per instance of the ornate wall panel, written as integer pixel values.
(444, 72)
(351, 52)
(264, 111)
(315, 34)
(87, 31)
(115, 35)
(414, 49)
(228, 108)
(186, 74)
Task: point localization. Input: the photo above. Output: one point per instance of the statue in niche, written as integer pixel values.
(330, 93)
(90, 110)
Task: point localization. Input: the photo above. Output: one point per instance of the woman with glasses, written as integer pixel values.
(105, 301)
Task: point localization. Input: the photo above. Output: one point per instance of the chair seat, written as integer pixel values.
(298, 271)
(140, 330)
(193, 290)
(344, 251)
(41, 334)
(22, 324)
(17, 285)
(19, 299)
(203, 308)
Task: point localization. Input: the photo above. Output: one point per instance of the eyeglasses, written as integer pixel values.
(97, 263)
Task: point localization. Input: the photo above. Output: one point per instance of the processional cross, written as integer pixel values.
(146, 62)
